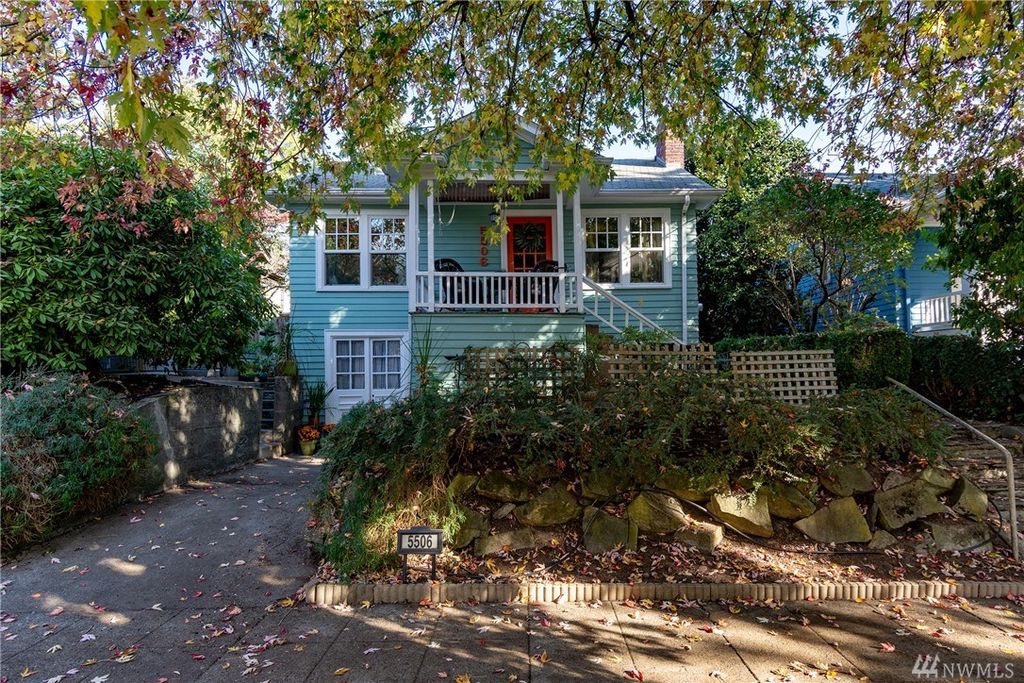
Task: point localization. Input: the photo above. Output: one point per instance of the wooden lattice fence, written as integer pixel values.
(551, 370)
(628, 362)
(791, 376)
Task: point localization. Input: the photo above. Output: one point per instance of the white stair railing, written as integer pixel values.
(616, 313)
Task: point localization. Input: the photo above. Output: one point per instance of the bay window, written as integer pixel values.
(627, 247)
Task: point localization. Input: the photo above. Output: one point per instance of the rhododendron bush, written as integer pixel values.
(102, 256)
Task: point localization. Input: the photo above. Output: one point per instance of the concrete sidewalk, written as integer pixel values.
(190, 588)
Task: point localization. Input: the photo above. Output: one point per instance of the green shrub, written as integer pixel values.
(69, 448)
(864, 358)
(969, 378)
(399, 459)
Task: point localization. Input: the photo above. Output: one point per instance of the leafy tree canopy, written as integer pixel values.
(836, 248)
(312, 85)
(118, 263)
(734, 264)
(982, 236)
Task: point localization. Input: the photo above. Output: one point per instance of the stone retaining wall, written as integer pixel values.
(201, 430)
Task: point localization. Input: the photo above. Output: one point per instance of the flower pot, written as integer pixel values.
(307, 447)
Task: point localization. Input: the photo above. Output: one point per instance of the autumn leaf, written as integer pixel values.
(341, 671)
(886, 647)
(634, 674)
(463, 678)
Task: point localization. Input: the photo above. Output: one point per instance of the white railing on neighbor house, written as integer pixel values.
(935, 312)
(547, 292)
(616, 313)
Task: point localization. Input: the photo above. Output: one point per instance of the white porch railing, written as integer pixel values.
(935, 312)
(616, 313)
(548, 292)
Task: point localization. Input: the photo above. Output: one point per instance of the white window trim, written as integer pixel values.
(330, 360)
(364, 251)
(623, 216)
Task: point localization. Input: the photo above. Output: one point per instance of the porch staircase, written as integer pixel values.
(616, 313)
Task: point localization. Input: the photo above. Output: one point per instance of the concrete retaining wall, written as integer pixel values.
(201, 430)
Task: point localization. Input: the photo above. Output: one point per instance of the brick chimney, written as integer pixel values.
(668, 150)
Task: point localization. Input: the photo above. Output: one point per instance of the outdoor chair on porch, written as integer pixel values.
(450, 289)
(545, 289)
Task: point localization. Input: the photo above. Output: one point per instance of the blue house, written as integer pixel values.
(378, 289)
(924, 301)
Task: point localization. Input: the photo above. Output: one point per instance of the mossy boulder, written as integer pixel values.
(500, 486)
(787, 502)
(461, 484)
(905, 503)
(554, 506)
(940, 480)
(691, 487)
(748, 514)
(702, 535)
(474, 525)
(841, 521)
(967, 498)
(881, 539)
(540, 472)
(961, 536)
(603, 532)
(659, 513)
(847, 480)
(516, 539)
(605, 484)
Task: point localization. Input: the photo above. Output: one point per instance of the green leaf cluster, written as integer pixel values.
(119, 266)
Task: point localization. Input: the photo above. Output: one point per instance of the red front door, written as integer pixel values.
(529, 242)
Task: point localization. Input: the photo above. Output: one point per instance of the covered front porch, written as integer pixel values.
(538, 267)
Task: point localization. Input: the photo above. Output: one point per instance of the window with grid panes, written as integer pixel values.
(646, 249)
(601, 243)
(341, 251)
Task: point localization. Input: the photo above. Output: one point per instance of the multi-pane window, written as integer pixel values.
(342, 257)
(646, 249)
(364, 251)
(350, 364)
(626, 248)
(387, 251)
(602, 247)
(387, 364)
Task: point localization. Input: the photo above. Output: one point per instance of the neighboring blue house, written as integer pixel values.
(375, 289)
(924, 302)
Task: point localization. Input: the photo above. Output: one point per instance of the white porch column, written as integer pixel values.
(560, 247)
(412, 251)
(430, 245)
(578, 257)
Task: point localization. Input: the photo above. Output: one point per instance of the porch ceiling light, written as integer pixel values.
(493, 217)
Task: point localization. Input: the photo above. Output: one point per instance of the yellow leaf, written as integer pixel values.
(544, 657)
(26, 672)
(858, 599)
(365, 604)
(463, 678)
(342, 671)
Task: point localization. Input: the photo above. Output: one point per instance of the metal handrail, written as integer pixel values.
(1014, 541)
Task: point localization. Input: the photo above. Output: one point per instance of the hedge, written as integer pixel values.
(969, 378)
(864, 358)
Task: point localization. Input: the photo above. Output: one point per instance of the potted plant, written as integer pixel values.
(316, 396)
(287, 366)
(308, 436)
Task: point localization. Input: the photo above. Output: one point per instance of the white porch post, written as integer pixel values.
(578, 257)
(430, 245)
(560, 247)
(412, 251)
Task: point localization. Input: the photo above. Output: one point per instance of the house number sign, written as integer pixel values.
(484, 249)
(420, 540)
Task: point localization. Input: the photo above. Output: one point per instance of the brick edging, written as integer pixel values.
(335, 593)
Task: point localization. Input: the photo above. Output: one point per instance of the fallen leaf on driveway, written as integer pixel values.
(886, 647)
(55, 648)
(56, 611)
(634, 674)
(157, 607)
(87, 636)
(341, 671)
(26, 672)
(463, 678)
